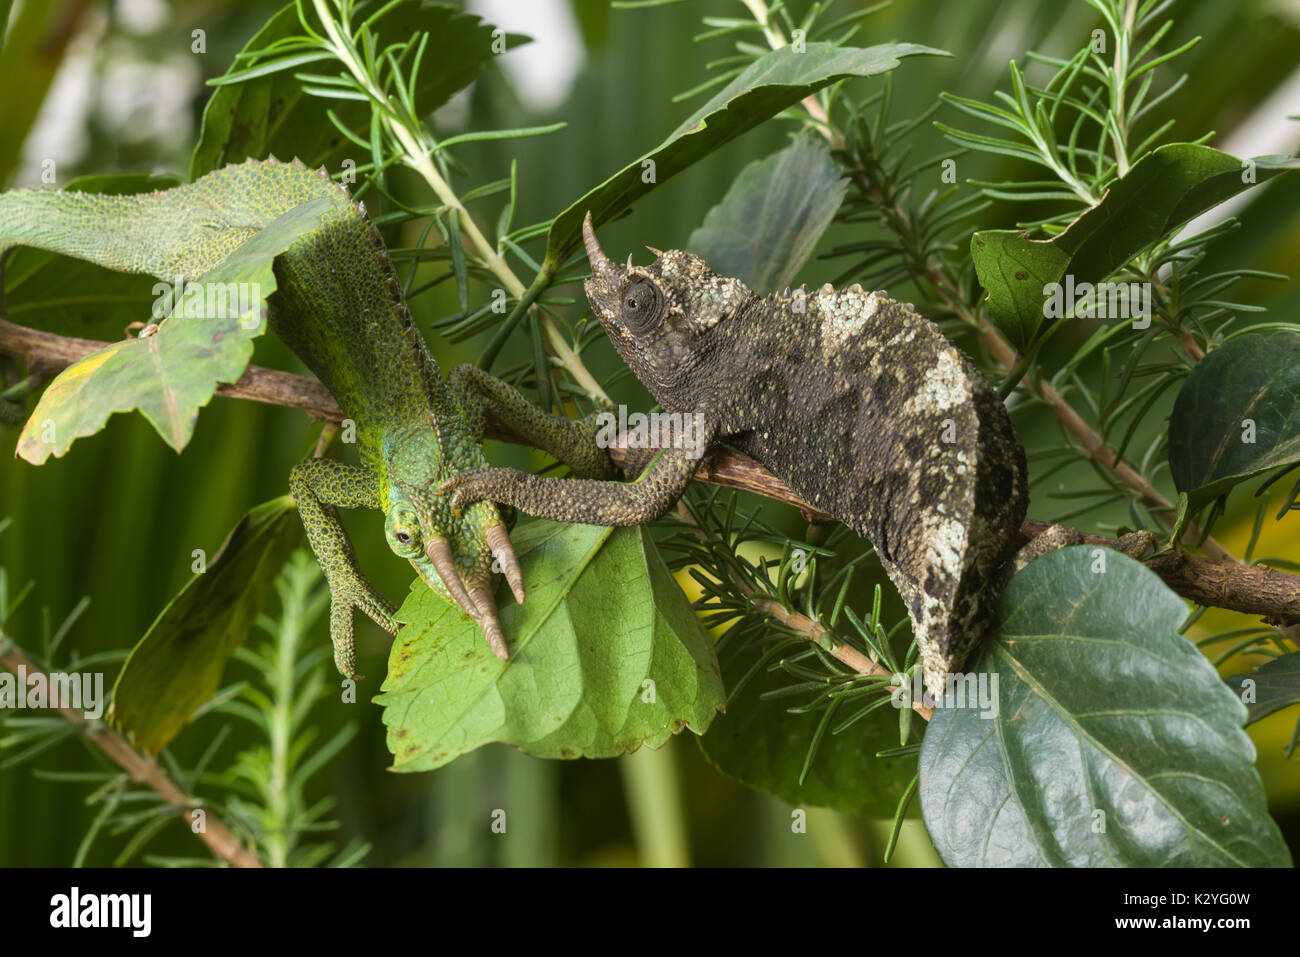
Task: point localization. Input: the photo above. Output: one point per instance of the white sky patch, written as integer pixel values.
(139, 100)
(142, 16)
(1266, 131)
(542, 72)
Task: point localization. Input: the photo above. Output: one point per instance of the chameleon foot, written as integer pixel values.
(346, 598)
(483, 485)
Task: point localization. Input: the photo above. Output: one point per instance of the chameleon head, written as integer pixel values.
(657, 315)
(421, 528)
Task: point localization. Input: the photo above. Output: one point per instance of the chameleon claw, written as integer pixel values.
(439, 553)
(499, 541)
(488, 621)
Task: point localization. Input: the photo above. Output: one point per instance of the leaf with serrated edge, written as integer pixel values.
(271, 116)
(773, 82)
(171, 374)
(1164, 189)
(603, 617)
(1114, 743)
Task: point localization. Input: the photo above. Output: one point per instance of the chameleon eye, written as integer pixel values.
(641, 306)
(403, 538)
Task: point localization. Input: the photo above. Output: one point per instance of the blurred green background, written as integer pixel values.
(100, 86)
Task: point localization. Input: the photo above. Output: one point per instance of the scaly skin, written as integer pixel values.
(339, 307)
(856, 401)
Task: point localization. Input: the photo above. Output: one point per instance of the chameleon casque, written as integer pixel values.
(857, 402)
(339, 307)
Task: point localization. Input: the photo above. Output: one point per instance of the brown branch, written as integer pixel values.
(55, 352)
(1221, 583)
(810, 628)
(1252, 590)
(220, 839)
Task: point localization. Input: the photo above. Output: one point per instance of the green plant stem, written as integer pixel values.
(418, 157)
(279, 838)
(655, 805)
(945, 290)
(220, 840)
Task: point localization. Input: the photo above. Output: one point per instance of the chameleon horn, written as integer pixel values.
(600, 263)
(498, 540)
(439, 553)
(488, 621)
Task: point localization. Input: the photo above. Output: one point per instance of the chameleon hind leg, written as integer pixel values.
(571, 441)
(319, 488)
(588, 501)
(596, 497)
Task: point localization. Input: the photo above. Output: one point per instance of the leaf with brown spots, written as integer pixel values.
(605, 655)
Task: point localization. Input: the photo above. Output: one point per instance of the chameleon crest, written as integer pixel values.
(857, 402)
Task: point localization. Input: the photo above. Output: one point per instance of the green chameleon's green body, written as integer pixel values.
(339, 307)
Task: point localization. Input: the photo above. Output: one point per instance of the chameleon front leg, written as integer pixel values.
(590, 502)
(319, 487)
(571, 441)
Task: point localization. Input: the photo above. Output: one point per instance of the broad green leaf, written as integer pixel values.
(606, 655)
(269, 115)
(171, 374)
(769, 222)
(177, 665)
(1114, 742)
(1237, 415)
(760, 743)
(75, 298)
(1273, 686)
(772, 83)
(1163, 190)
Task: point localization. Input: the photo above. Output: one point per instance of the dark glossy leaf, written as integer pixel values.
(271, 116)
(172, 373)
(606, 655)
(763, 745)
(1114, 742)
(1236, 415)
(1270, 687)
(1163, 190)
(773, 82)
(768, 224)
(177, 665)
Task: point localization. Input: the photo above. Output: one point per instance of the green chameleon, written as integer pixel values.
(339, 307)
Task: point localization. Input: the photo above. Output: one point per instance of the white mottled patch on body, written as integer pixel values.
(942, 387)
(945, 544)
(843, 315)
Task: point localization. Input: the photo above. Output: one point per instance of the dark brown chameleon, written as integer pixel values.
(856, 401)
